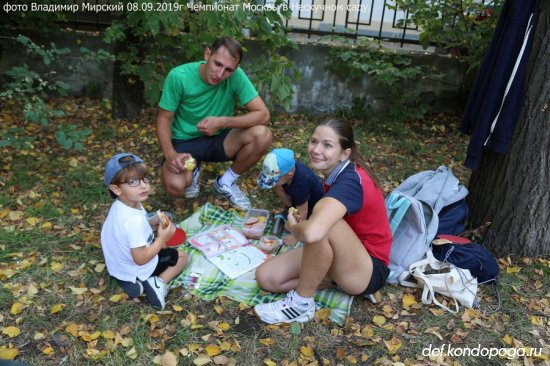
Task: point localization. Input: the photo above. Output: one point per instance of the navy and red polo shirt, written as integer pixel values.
(366, 214)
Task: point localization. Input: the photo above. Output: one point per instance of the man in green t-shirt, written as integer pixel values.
(196, 119)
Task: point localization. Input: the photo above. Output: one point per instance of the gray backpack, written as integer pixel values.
(413, 209)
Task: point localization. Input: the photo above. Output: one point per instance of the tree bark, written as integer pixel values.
(128, 90)
(512, 191)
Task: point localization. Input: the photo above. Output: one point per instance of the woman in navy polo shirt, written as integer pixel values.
(347, 238)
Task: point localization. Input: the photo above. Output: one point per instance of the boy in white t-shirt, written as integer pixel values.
(133, 256)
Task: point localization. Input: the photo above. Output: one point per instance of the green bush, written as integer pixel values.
(389, 70)
(30, 88)
(462, 27)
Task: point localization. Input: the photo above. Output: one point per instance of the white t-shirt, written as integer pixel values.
(126, 228)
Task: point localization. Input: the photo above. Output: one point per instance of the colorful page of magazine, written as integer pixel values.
(239, 261)
(218, 240)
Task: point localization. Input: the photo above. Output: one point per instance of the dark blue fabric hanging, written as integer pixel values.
(497, 94)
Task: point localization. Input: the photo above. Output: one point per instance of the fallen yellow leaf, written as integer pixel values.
(72, 329)
(202, 360)
(408, 300)
(11, 331)
(152, 318)
(132, 353)
(393, 344)
(177, 308)
(115, 298)
(306, 352)
(87, 337)
(100, 267)
(16, 308)
(512, 269)
(267, 341)
(8, 353)
(223, 326)
(15, 215)
(108, 334)
(194, 347)
(78, 290)
(57, 266)
(537, 320)
(367, 331)
(32, 221)
(46, 225)
(507, 339)
(379, 320)
(212, 350)
(32, 290)
(48, 351)
(468, 315)
(73, 162)
(323, 314)
(56, 308)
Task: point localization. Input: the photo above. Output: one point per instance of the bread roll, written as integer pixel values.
(163, 219)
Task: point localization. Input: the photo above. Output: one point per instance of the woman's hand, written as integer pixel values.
(292, 218)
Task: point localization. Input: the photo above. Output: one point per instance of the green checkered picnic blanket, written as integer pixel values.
(214, 283)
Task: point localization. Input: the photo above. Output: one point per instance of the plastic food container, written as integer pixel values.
(254, 223)
(269, 243)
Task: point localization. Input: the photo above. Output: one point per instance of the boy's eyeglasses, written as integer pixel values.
(135, 182)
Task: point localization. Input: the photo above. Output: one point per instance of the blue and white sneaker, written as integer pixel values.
(286, 310)
(235, 196)
(194, 189)
(156, 291)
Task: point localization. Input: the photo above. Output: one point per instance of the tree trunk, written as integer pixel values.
(512, 191)
(128, 90)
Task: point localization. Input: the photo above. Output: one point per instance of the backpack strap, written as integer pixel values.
(396, 205)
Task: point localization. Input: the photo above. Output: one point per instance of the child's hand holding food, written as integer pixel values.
(166, 228)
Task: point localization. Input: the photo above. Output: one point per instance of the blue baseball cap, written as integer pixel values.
(276, 164)
(117, 163)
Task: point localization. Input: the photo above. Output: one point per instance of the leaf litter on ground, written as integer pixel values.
(60, 306)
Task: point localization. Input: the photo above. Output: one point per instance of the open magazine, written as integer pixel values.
(229, 250)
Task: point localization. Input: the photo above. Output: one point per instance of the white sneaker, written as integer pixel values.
(235, 196)
(193, 190)
(285, 311)
(156, 291)
(375, 298)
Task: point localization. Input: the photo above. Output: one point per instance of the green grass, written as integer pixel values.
(52, 205)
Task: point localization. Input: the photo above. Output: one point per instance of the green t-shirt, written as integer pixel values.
(191, 99)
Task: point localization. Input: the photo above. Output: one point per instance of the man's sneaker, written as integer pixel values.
(156, 291)
(193, 190)
(233, 194)
(285, 311)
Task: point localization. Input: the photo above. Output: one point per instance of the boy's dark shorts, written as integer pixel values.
(204, 148)
(168, 257)
(380, 273)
